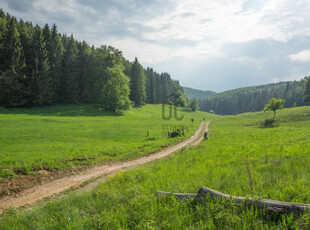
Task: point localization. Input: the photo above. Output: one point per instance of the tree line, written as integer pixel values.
(40, 66)
(251, 99)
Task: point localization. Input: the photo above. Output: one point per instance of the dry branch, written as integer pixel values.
(178, 195)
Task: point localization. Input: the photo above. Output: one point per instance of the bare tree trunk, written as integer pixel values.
(274, 114)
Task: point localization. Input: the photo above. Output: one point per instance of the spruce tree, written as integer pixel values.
(54, 51)
(69, 77)
(25, 31)
(150, 86)
(159, 90)
(307, 91)
(12, 81)
(3, 28)
(82, 59)
(40, 87)
(137, 84)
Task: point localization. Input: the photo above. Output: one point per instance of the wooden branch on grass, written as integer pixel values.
(178, 195)
(272, 205)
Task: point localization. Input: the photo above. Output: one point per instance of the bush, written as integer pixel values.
(267, 122)
(176, 133)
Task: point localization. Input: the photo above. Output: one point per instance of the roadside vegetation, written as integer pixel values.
(277, 157)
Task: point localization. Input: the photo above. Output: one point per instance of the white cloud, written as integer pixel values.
(303, 56)
(212, 24)
(241, 42)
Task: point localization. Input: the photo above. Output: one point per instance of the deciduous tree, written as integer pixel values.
(274, 105)
(194, 104)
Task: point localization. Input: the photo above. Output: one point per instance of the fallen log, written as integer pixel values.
(272, 205)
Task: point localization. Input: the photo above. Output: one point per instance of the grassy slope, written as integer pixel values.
(47, 137)
(278, 158)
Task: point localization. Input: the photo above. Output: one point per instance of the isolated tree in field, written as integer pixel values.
(307, 92)
(274, 105)
(194, 104)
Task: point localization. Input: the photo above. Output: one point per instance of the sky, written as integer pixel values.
(205, 44)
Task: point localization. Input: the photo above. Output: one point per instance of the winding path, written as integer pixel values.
(100, 173)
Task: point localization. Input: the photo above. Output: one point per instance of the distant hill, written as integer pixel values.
(254, 98)
(199, 94)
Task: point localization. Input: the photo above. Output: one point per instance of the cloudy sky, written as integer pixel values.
(206, 44)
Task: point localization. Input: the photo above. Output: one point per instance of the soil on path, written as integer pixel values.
(100, 173)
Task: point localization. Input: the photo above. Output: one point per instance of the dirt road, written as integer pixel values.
(101, 173)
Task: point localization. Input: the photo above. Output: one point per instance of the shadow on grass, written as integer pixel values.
(263, 125)
(188, 110)
(62, 110)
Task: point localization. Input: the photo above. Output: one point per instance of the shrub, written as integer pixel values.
(176, 133)
(267, 122)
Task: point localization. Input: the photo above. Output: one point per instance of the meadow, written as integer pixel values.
(278, 158)
(65, 136)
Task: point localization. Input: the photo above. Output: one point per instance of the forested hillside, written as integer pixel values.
(199, 94)
(39, 66)
(254, 98)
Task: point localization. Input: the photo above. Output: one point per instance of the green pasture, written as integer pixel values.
(278, 158)
(57, 137)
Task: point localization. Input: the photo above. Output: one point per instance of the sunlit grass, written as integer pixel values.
(53, 137)
(278, 158)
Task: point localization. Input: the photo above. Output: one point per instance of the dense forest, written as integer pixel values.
(254, 98)
(196, 93)
(39, 66)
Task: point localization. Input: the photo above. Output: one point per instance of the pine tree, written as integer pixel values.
(40, 87)
(307, 91)
(55, 50)
(137, 84)
(69, 65)
(2, 23)
(82, 59)
(150, 86)
(25, 31)
(12, 81)
(159, 90)
(3, 28)
(164, 84)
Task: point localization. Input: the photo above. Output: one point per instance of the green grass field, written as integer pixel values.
(278, 158)
(54, 137)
